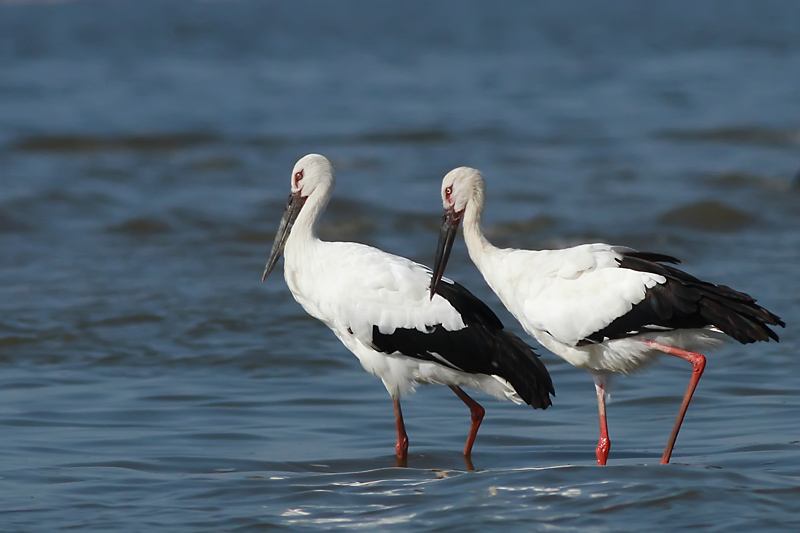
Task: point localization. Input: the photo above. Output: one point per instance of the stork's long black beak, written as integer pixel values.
(293, 207)
(447, 234)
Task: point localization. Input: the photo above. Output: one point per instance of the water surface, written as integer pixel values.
(150, 381)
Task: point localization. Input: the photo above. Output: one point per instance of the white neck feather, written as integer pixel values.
(478, 246)
(304, 230)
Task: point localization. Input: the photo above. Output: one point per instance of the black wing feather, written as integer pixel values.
(482, 347)
(685, 302)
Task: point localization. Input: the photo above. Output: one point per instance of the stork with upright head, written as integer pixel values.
(378, 305)
(607, 309)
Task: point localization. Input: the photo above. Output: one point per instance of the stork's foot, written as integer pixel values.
(401, 446)
(476, 412)
(601, 452)
(401, 449)
(468, 463)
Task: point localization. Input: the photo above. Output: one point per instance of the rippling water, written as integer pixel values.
(150, 381)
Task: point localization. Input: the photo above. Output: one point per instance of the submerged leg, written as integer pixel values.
(401, 447)
(476, 412)
(698, 365)
(603, 443)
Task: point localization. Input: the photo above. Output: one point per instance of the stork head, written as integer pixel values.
(311, 175)
(311, 172)
(461, 187)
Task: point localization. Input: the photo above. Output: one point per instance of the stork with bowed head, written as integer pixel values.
(377, 304)
(607, 309)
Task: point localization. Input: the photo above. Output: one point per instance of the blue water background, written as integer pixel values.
(149, 381)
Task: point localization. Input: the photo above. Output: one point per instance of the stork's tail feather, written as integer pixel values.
(737, 314)
(521, 366)
(691, 302)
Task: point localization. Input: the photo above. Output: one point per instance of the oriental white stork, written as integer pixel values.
(378, 305)
(606, 309)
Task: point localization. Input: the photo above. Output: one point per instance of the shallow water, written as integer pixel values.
(149, 380)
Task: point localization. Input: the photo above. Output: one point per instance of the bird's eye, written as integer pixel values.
(447, 192)
(298, 177)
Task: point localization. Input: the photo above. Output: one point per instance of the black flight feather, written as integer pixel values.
(482, 347)
(685, 302)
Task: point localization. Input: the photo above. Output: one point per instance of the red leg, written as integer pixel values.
(401, 447)
(476, 412)
(698, 365)
(603, 443)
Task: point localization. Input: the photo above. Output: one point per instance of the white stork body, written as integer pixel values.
(378, 305)
(602, 308)
(352, 288)
(562, 297)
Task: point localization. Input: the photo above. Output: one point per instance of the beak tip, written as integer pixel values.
(432, 289)
(293, 207)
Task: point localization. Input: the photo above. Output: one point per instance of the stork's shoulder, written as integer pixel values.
(577, 291)
(366, 284)
(577, 260)
(565, 263)
(368, 263)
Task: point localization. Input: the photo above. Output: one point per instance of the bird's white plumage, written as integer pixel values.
(568, 293)
(594, 305)
(560, 297)
(352, 287)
